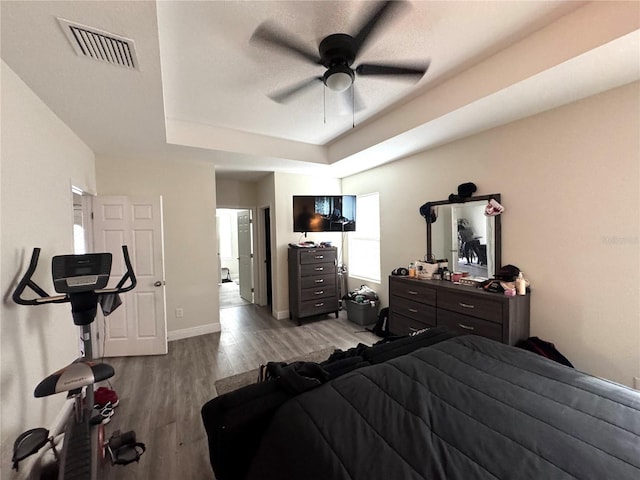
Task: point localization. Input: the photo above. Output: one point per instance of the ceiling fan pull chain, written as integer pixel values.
(324, 103)
(353, 106)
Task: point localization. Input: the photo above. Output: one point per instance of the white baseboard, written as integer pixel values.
(193, 331)
(284, 315)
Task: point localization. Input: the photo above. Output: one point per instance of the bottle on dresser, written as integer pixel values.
(521, 285)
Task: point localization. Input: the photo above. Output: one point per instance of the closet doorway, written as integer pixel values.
(235, 256)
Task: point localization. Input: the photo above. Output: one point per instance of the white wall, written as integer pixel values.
(188, 190)
(235, 193)
(41, 159)
(569, 182)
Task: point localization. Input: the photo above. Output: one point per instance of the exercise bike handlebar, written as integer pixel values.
(45, 298)
(128, 275)
(26, 281)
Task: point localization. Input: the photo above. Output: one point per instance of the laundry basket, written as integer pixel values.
(364, 313)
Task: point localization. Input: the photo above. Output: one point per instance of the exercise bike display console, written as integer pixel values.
(80, 273)
(82, 279)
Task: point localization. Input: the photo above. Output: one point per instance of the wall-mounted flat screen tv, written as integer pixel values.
(324, 213)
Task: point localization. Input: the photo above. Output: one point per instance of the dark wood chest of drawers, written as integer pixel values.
(417, 304)
(313, 282)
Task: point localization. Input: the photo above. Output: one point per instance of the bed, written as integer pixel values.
(463, 408)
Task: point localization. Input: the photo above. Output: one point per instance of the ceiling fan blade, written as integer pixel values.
(286, 94)
(272, 36)
(400, 70)
(377, 17)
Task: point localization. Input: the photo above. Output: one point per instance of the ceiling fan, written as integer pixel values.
(337, 54)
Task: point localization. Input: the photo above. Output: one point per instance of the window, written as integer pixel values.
(364, 243)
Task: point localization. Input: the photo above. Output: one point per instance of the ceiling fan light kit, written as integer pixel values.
(338, 78)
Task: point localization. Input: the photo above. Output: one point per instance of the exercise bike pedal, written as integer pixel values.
(124, 449)
(28, 443)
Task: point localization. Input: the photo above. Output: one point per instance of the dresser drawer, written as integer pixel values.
(412, 309)
(473, 305)
(412, 290)
(465, 324)
(317, 281)
(401, 325)
(461, 308)
(318, 292)
(316, 269)
(317, 256)
(318, 306)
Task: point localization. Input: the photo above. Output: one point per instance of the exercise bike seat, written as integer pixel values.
(75, 375)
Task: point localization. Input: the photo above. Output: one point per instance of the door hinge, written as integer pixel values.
(92, 215)
(252, 289)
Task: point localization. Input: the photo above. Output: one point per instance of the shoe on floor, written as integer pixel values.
(104, 395)
(104, 414)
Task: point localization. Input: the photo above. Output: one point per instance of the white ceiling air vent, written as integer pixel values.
(102, 46)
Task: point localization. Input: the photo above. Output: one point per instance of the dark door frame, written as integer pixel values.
(267, 259)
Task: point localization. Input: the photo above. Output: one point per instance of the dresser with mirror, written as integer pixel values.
(416, 304)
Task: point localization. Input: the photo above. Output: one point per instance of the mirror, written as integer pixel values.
(464, 235)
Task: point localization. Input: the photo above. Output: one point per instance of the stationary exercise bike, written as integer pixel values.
(81, 280)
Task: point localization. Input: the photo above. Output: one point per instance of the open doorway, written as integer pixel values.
(235, 256)
(82, 232)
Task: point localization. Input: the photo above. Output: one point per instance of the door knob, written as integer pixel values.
(159, 283)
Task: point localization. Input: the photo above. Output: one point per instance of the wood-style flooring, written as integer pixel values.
(161, 396)
(229, 295)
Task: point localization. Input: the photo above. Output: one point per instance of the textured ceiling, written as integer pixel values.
(212, 74)
(201, 88)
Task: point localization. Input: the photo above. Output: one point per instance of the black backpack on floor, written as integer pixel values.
(381, 328)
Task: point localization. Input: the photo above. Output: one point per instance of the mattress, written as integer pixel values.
(465, 408)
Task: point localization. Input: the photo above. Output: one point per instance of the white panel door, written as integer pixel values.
(139, 326)
(245, 257)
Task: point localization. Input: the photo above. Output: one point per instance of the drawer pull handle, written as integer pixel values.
(319, 292)
(466, 327)
(319, 269)
(319, 304)
(412, 292)
(319, 257)
(466, 305)
(413, 310)
(320, 280)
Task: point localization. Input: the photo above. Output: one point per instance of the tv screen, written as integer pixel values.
(324, 213)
